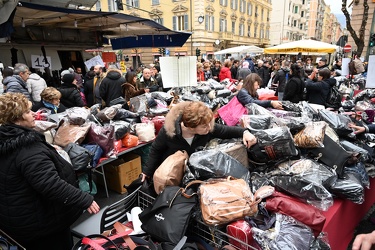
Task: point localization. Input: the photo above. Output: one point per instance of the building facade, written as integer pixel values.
(214, 24)
(356, 20)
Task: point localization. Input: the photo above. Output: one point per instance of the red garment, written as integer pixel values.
(225, 73)
(200, 76)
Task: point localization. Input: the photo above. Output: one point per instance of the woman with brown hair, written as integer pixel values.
(248, 93)
(188, 126)
(130, 87)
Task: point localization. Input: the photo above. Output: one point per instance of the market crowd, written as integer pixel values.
(39, 196)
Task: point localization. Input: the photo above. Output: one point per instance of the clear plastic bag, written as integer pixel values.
(349, 187)
(77, 115)
(338, 122)
(213, 163)
(311, 136)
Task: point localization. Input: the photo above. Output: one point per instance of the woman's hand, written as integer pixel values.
(144, 177)
(357, 129)
(364, 241)
(248, 139)
(276, 105)
(94, 208)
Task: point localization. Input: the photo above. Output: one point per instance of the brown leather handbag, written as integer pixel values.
(226, 200)
(171, 171)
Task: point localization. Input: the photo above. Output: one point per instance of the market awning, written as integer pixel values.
(41, 19)
(156, 41)
(240, 50)
(310, 47)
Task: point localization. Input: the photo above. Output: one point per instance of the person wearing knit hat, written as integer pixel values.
(70, 95)
(68, 78)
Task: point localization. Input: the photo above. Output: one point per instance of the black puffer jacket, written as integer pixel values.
(318, 91)
(111, 86)
(170, 140)
(38, 188)
(70, 96)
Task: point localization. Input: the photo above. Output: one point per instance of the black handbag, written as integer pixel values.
(333, 155)
(79, 156)
(168, 217)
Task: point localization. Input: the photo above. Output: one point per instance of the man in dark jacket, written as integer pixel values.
(234, 69)
(147, 81)
(318, 91)
(17, 82)
(111, 86)
(281, 78)
(251, 63)
(264, 72)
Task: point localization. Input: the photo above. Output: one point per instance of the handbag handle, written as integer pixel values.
(122, 228)
(88, 241)
(183, 190)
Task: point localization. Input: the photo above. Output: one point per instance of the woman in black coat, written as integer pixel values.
(294, 87)
(70, 94)
(39, 197)
(189, 126)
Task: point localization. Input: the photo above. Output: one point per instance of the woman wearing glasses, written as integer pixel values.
(17, 82)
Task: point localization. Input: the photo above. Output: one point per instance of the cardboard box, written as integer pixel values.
(122, 172)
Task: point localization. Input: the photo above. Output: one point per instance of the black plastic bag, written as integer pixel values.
(338, 122)
(214, 163)
(273, 144)
(121, 129)
(256, 122)
(348, 187)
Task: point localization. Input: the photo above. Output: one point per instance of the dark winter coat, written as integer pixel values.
(242, 73)
(88, 90)
(70, 95)
(264, 73)
(151, 83)
(244, 98)
(170, 140)
(111, 86)
(38, 188)
(280, 79)
(294, 90)
(131, 91)
(15, 84)
(318, 91)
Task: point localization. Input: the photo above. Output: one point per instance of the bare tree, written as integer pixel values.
(359, 40)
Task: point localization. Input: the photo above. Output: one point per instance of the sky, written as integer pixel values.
(336, 9)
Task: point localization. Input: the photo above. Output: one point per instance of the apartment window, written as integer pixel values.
(98, 6)
(223, 2)
(303, 1)
(301, 26)
(233, 27)
(234, 4)
(249, 9)
(112, 6)
(241, 29)
(209, 23)
(180, 22)
(223, 25)
(248, 30)
(243, 6)
(261, 33)
(155, 2)
(302, 13)
(256, 11)
(158, 20)
(262, 14)
(133, 3)
(255, 31)
(296, 9)
(295, 23)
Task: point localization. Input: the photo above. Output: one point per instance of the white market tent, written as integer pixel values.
(306, 47)
(251, 49)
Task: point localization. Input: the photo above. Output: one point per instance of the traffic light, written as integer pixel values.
(161, 51)
(372, 40)
(119, 5)
(197, 52)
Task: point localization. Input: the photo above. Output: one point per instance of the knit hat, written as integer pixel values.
(68, 78)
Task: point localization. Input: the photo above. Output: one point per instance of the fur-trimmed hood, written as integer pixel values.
(14, 137)
(172, 124)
